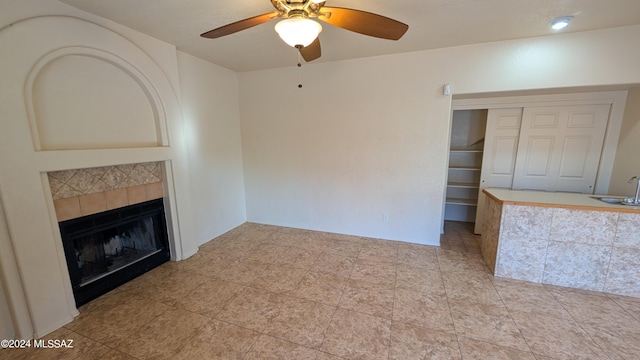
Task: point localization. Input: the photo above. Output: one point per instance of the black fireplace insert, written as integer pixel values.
(107, 249)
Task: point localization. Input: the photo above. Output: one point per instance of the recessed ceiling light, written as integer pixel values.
(561, 23)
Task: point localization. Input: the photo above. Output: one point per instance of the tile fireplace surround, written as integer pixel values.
(82, 192)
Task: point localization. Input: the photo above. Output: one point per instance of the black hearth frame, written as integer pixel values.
(109, 223)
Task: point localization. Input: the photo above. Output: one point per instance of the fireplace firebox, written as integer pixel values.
(105, 250)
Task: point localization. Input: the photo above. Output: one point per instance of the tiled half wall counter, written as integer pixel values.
(585, 248)
(81, 192)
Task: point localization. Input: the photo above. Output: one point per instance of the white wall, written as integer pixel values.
(468, 127)
(15, 304)
(7, 329)
(6, 324)
(212, 121)
(348, 148)
(369, 137)
(626, 164)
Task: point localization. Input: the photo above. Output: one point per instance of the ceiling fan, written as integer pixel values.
(299, 31)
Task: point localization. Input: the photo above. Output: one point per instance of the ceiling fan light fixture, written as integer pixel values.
(561, 23)
(298, 31)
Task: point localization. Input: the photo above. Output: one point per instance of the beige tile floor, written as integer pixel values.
(264, 292)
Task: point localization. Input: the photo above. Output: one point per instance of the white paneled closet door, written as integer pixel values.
(499, 156)
(559, 148)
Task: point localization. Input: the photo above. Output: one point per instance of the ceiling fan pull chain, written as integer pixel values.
(299, 71)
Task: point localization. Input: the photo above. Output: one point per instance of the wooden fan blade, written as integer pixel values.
(239, 25)
(363, 22)
(311, 51)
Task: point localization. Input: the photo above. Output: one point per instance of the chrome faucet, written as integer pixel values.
(635, 200)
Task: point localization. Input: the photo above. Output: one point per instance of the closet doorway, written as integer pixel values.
(465, 164)
(562, 142)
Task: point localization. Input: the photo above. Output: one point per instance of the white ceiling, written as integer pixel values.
(432, 24)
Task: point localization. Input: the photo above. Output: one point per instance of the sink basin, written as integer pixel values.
(614, 200)
(609, 200)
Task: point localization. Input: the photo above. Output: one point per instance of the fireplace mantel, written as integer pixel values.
(36, 284)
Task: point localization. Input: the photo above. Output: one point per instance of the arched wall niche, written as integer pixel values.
(86, 98)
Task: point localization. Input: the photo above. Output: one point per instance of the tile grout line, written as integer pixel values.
(444, 286)
(513, 321)
(324, 335)
(580, 324)
(393, 302)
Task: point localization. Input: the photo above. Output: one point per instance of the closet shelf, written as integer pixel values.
(467, 202)
(465, 150)
(465, 168)
(464, 185)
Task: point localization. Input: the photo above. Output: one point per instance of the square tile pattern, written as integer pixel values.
(266, 292)
(77, 182)
(584, 249)
(81, 192)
